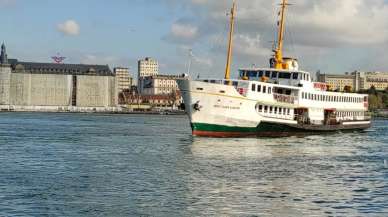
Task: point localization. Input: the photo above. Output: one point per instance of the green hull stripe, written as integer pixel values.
(221, 128)
(261, 128)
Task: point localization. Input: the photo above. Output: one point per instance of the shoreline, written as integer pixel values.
(86, 110)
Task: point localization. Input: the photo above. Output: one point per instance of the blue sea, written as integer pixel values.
(137, 165)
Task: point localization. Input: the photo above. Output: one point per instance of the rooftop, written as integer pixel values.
(55, 68)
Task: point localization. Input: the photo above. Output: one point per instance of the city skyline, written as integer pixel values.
(331, 36)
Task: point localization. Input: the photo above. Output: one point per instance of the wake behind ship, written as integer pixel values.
(277, 101)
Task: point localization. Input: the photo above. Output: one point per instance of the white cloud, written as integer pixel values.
(316, 30)
(69, 27)
(184, 31)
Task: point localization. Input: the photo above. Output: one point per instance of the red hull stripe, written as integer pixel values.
(222, 134)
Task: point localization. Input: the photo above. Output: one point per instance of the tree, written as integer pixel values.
(373, 102)
(372, 90)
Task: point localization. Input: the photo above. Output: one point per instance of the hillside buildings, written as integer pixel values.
(49, 86)
(356, 80)
(124, 80)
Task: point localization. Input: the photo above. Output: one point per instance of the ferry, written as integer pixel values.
(276, 101)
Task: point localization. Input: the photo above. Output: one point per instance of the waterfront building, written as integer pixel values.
(160, 84)
(29, 85)
(124, 80)
(356, 81)
(338, 82)
(146, 67)
(136, 101)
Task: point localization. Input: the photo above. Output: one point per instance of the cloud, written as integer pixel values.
(316, 31)
(69, 28)
(182, 32)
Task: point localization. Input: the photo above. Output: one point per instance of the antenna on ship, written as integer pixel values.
(278, 61)
(230, 43)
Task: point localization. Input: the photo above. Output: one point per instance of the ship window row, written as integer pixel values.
(275, 75)
(261, 89)
(264, 109)
(326, 98)
(349, 114)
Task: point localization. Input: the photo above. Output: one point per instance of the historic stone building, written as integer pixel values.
(356, 80)
(29, 85)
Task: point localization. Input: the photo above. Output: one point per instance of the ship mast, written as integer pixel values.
(279, 49)
(230, 43)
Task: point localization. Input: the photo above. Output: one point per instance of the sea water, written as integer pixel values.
(137, 165)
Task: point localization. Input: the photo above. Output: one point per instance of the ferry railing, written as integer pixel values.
(284, 98)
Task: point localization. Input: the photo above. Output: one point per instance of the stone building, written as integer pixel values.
(124, 80)
(30, 85)
(338, 82)
(146, 68)
(356, 80)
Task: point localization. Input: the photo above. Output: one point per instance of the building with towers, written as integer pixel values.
(55, 87)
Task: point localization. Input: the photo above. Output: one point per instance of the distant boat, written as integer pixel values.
(280, 100)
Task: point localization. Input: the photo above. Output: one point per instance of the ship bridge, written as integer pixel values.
(275, 76)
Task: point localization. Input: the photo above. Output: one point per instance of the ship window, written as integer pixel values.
(242, 74)
(269, 90)
(295, 76)
(253, 87)
(284, 111)
(235, 83)
(270, 109)
(280, 111)
(267, 74)
(266, 109)
(261, 108)
(261, 74)
(264, 89)
(258, 88)
(288, 112)
(284, 75)
(252, 74)
(274, 75)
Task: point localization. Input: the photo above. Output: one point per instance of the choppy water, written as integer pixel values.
(125, 165)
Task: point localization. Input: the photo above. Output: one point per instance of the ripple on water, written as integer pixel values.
(133, 165)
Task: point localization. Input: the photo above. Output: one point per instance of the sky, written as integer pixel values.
(333, 36)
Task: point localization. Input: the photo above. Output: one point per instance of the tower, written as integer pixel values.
(3, 56)
(5, 77)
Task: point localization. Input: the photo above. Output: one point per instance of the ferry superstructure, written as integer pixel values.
(277, 101)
